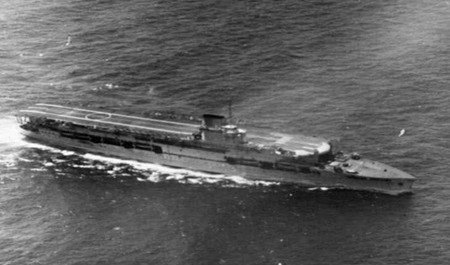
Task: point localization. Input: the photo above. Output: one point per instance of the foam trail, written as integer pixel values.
(10, 132)
(10, 137)
(177, 174)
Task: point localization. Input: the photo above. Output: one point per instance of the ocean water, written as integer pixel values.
(354, 71)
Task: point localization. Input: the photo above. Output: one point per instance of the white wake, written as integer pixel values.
(11, 138)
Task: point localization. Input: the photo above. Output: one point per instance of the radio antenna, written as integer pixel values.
(230, 115)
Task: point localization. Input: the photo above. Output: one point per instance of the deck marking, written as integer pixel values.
(96, 119)
(120, 115)
(108, 122)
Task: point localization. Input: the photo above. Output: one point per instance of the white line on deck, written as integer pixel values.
(107, 122)
(119, 115)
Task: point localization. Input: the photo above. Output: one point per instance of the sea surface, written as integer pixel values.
(355, 71)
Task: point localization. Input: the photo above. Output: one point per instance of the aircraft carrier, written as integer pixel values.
(213, 146)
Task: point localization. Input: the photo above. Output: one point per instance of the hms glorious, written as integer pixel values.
(211, 146)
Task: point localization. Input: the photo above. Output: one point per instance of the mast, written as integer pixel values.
(229, 110)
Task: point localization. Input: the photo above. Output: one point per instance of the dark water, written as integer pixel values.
(355, 71)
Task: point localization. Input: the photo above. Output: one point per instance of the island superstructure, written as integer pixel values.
(211, 146)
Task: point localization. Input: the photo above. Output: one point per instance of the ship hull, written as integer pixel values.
(215, 162)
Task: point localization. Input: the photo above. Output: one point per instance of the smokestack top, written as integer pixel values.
(213, 121)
